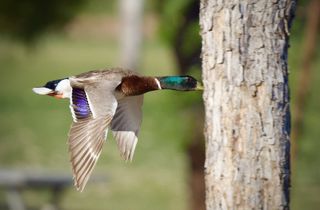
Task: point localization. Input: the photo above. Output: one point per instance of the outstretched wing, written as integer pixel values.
(92, 109)
(126, 124)
(86, 139)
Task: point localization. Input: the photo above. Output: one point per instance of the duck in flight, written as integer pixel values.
(106, 99)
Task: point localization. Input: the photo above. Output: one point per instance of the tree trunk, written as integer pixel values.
(246, 97)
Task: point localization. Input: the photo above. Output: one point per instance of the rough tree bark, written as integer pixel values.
(246, 97)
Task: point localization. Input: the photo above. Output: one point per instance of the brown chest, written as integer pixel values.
(135, 85)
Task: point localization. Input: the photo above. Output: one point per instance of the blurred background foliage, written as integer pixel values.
(28, 19)
(179, 27)
(77, 36)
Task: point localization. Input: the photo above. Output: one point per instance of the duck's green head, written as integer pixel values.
(184, 83)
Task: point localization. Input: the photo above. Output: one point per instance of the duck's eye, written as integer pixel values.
(188, 80)
(191, 81)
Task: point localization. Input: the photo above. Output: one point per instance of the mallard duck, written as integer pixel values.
(102, 99)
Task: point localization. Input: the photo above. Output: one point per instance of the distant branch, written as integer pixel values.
(306, 73)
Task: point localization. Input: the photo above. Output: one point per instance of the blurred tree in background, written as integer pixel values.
(179, 27)
(312, 15)
(26, 20)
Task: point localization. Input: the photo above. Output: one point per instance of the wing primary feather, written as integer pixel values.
(92, 162)
(85, 146)
(89, 151)
(83, 177)
(126, 141)
(80, 155)
(133, 147)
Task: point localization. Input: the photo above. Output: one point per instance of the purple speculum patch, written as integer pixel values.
(80, 103)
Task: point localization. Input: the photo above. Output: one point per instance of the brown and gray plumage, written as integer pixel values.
(106, 99)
